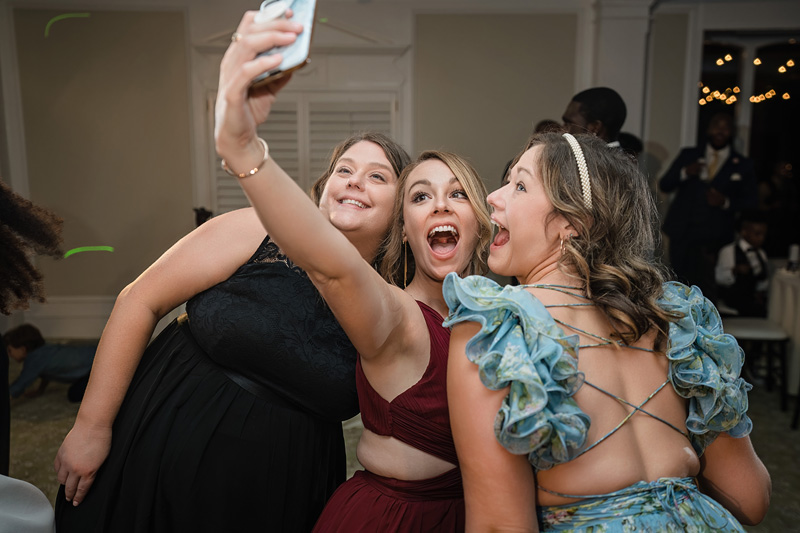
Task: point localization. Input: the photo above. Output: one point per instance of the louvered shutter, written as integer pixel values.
(281, 131)
(332, 122)
(302, 130)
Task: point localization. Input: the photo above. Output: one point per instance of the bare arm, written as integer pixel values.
(499, 487)
(732, 474)
(332, 262)
(205, 257)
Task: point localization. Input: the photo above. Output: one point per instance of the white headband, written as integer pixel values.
(586, 186)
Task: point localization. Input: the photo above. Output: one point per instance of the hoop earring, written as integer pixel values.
(405, 263)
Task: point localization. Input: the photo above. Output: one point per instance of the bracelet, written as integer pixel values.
(252, 170)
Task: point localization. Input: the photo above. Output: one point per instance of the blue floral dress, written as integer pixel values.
(521, 346)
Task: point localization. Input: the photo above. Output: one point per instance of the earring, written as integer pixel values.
(564, 242)
(405, 263)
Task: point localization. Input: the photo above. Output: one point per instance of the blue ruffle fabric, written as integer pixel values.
(520, 345)
(705, 364)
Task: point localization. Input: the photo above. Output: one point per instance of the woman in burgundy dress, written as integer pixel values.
(411, 482)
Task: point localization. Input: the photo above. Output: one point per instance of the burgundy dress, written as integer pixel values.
(418, 417)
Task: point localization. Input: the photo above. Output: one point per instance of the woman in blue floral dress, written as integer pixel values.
(593, 396)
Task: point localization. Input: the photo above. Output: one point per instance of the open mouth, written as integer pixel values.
(502, 236)
(350, 201)
(443, 239)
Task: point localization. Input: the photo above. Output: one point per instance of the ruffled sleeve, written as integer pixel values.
(705, 367)
(520, 346)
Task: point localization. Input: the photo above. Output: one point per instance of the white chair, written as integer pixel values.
(766, 338)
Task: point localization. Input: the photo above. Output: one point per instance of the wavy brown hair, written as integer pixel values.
(25, 229)
(393, 249)
(613, 251)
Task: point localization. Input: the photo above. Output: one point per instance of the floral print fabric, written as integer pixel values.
(520, 346)
(669, 505)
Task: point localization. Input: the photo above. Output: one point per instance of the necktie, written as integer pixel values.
(712, 165)
(761, 266)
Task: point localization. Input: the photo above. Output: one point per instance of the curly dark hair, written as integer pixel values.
(25, 229)
(614, 251)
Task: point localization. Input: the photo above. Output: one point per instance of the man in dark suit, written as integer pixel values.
(712, 183)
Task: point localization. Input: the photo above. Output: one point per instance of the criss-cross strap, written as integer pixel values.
(604, 341)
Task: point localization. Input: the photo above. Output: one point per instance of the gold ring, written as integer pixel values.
(236, 36)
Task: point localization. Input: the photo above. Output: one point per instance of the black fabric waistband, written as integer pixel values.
(256, 389)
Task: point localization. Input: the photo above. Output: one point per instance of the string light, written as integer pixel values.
(786, 96)
(706, 90)
(736, 90)
(771, 93)
(756, 61)
(715, 94)
(720, 62)
(709, 98)
(702, 101)
(781, 69)
(728, 57)
(790, 63)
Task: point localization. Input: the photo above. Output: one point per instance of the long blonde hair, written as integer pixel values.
(392, 264)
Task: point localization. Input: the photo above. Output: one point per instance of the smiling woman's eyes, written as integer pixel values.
(378, 176)
(343, 170)
(460, 193)
(418, 196)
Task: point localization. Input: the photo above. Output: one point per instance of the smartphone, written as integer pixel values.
(295, 55)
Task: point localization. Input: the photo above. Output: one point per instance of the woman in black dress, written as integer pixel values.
(231, 419)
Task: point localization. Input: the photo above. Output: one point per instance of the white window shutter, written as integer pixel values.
(301, 132)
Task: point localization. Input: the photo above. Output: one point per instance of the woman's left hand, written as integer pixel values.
(240, 109)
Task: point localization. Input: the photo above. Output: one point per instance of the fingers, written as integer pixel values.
(241, 62)
(83, 487)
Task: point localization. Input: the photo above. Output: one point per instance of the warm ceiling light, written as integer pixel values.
(786, 96)
(771, 92)
(706, 90)
(728, 57)
(702, 101)
(720, 62)
(790, 63)
(781, 69)
(736, 89)
(709, 98)
(756, 61)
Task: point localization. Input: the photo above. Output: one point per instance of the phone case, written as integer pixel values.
(295, 55)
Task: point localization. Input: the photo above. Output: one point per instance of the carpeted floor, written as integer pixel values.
(39, 424)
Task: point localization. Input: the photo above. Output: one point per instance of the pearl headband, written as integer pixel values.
(586, 186)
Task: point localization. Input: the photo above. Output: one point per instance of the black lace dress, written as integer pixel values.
(233, 419)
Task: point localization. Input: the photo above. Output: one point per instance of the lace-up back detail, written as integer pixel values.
(602, 342)
(523, 347)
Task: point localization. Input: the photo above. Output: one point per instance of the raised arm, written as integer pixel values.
(499, 487)
(355, 292)
(205, 257)
(732, 474)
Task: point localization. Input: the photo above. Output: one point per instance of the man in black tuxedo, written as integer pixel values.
(599, 110)
(712, 183)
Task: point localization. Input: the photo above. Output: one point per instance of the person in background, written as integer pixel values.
(64, 363)
(712, 183)
(630, 144)
(599, 110)
(594, 396)
(742, 271)
(25, 229)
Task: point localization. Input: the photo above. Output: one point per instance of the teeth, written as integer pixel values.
(498, 224)
(354, 202)
(442, 229)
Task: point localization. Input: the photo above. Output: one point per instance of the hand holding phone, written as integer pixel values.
(295, 55)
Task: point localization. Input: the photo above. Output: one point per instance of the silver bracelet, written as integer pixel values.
(252, 170)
